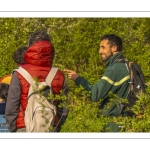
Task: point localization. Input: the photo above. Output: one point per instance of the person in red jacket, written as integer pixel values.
(18, 57)
(38, 62)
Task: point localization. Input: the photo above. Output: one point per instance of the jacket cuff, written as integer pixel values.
(79, 80)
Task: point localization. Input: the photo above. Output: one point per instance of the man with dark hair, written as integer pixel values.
(113, 40)
(115, 78)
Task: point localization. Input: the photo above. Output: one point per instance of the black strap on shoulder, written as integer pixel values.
(120, 59)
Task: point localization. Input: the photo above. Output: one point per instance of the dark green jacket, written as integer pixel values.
(115, 79)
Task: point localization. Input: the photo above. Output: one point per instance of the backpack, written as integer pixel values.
(40, 112)
(137, 81)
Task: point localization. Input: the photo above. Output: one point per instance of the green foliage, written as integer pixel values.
(76, 42)
(140, 121)
(83, 113)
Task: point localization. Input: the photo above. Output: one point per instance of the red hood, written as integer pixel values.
(40, 53)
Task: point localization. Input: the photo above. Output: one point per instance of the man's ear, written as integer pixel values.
(114, 49)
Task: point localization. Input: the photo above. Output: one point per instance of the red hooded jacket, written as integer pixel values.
(38, 62)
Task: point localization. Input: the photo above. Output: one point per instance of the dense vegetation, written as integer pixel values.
(76, 42)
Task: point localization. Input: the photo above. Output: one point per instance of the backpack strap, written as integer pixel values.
(120, 59)
(25, 74)
(128, 66)
(30, 79)
(51, 75)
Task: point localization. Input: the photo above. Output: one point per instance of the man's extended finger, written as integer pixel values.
(67, 70)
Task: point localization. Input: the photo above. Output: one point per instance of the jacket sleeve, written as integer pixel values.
(98, 91)
(13, 102)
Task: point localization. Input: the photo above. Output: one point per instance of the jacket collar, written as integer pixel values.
(113, 58)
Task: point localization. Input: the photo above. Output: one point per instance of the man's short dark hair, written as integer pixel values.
(38, 36)
(4, 91)
(18, 55)
(113, 40)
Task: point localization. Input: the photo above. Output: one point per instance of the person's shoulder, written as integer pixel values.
(60, 73)
(116, 68)
(117, 65)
